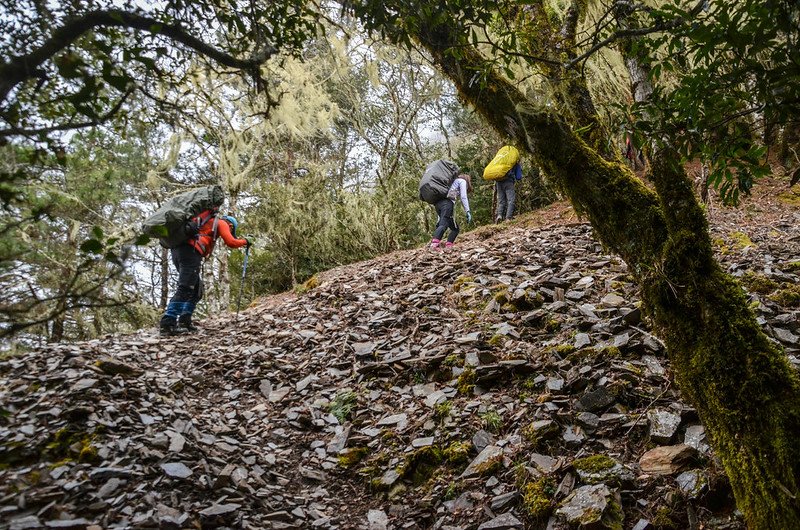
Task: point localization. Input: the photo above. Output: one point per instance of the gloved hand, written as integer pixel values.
(469, 217)
(249, 240)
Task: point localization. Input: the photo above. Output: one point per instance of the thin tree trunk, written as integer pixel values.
(572, 92)
(57, 329)
(742, 386)
(636, 64)
(164, 279)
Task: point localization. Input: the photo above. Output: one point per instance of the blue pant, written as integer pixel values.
(189, 291)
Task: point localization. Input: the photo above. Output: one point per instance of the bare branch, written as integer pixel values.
(16, 131)
(634, 32)
(25, 67)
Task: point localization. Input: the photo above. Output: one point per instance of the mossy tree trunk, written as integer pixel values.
(743, 387)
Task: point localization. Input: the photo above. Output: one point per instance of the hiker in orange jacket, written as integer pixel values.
(188, 259)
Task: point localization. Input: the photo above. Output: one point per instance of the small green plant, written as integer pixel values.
(457, 453)
(789, 297)
(496, 340)
(453, 489)
(453, 360)
(537, 498)
(594, 463)
(442, 410)
(342, 405)
(352, 456)
(565, 349)
(538, 436)
(461, 281)
(529, 383)
(741, 240)
(758, 283)
(492, 421)
(420, 465)
(419, 377)
(466, 381)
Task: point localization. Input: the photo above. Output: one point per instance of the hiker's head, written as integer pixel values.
(469, 181)
(231, 221)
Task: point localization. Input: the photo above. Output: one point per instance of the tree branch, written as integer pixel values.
(15, 131)
(635, 32)
(25, 67)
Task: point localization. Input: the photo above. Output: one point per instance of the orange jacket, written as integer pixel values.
(210, 231)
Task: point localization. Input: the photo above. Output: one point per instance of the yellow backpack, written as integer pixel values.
(502, 162)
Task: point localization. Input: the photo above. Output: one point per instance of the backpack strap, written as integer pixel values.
(215, 228)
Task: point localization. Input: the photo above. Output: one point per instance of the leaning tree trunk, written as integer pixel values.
(742, 385)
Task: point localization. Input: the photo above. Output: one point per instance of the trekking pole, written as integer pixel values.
(241, 284)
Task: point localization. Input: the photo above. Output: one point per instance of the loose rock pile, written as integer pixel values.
(512, 383)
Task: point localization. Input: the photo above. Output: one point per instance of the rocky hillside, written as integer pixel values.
(512, 383)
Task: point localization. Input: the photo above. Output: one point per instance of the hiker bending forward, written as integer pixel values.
(445, 208)
(188, 259)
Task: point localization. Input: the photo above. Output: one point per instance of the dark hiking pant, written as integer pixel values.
(506, 197)
(189, 291)
(444, 209)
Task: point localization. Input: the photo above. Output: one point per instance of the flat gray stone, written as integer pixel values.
(216, 510)
(691, 483)
(491, 453)
(696, 436)
(83, 384)
(482, 439)
(377, 520)
(176, 470)
(663, 425)
(582, 340)
(79, 523)
(24, 523)
(595, 400)
(612, 300)
(588, 505)
(339, 440)
(545, 464)
(394, 419)
(422, 442)
(389, 477)
(506, 521)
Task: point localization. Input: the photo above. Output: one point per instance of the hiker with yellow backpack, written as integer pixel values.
(505, 171)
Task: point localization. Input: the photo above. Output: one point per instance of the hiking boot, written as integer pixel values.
(169, 327)
(435, 245)
(498, 220)
(185, 323)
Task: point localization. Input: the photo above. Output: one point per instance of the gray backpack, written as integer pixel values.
(178, 219)
(436, 181)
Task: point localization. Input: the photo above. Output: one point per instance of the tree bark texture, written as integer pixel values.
(742, 385)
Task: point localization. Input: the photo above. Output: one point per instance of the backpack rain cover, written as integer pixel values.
(436, 181)
(168, 222)
(502, 163)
